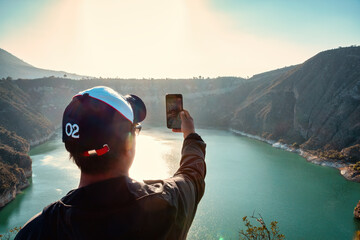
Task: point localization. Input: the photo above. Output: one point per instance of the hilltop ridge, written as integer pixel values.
(13, 67)
(316, 104)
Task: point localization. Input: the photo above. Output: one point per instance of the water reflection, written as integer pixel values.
(150, 159)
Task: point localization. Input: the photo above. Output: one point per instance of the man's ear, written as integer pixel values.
(129, 153)
(129, 142)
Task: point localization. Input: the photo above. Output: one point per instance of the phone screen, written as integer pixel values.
(174, 105)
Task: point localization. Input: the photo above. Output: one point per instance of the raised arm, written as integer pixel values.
(192, 164)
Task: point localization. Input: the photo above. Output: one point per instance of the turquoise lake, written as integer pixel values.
(243, 175)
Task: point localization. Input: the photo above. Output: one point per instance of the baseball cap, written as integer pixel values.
(97, 117)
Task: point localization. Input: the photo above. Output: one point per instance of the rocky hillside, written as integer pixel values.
(316, 104)
(15, 165)
(20, 125)
(201, 96)
(20, 113)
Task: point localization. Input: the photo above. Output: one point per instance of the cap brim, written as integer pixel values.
(138, 107)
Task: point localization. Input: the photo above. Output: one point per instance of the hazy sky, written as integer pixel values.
(174, 38)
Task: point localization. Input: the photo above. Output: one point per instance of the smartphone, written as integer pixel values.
(174, 105)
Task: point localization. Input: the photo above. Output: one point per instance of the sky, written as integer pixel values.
(174, 38)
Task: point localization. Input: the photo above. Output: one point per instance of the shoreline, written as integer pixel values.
(11, 193)
(34, 143)
(344, 168)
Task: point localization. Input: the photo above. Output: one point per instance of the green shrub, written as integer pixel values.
(332, 154)
(261, 232)
(356, 166)
(295, 145)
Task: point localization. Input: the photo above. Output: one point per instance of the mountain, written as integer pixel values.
(314, 105)
(13, 67)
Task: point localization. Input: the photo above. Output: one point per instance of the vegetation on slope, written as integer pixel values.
(15, 164)
(20, 122)
(20, 113)
(316, 104)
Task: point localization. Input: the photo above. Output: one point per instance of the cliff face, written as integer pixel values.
(20, 123)
(317, 104)
(327, 99)
(15, 165)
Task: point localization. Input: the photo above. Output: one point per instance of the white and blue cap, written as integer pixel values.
(97, 116)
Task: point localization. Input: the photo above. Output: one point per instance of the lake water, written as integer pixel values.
(244, 175)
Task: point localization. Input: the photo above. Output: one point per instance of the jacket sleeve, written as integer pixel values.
(185, 189)
(192, 166)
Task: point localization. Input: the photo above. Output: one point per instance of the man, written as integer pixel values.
(99, 128)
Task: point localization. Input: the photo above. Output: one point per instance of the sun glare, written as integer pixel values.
(150, 159)
(144, 39)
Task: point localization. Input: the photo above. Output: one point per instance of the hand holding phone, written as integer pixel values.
(187, 123)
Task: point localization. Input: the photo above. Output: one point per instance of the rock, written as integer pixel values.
(7, 196)
(12, 180)
(350, 174)
(352, 153)
(357, 211)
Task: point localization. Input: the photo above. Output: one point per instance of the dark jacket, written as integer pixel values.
(122, 208)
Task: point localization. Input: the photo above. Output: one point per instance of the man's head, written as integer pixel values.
(98, 129)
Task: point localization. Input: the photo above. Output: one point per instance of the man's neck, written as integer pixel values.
(87, 179)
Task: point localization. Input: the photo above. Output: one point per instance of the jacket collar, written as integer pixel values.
(114, 191)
